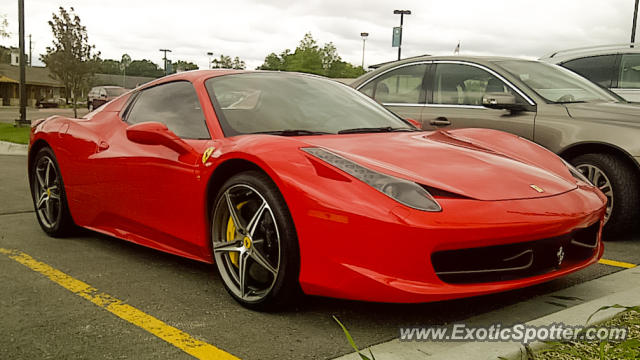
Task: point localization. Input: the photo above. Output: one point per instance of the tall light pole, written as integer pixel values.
(633, 26)
(209, 54)
(402, 13)
(165, 51)
(364, 39)
(23, 86)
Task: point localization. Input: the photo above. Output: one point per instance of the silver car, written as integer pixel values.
(616, 67)
(591, 127)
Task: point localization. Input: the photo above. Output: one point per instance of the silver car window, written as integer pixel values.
(556, 84)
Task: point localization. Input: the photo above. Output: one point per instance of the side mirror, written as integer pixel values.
(500, 100)
(155, 133)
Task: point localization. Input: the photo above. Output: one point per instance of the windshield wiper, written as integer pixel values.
(291, 132)
(374, 130)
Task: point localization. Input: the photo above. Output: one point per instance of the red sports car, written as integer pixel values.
(292, 182)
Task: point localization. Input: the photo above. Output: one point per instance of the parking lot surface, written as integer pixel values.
(40, 318)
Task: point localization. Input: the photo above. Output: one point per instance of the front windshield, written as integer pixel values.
(556, 84)
(264, 102)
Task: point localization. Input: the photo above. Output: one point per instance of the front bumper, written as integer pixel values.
(388, 257)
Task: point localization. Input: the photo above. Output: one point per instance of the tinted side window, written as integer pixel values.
(598, 69)
(174, 104)
(630, 71)
(457, 84)
(403, 85)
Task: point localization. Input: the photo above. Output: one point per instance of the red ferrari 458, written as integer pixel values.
(295, 183)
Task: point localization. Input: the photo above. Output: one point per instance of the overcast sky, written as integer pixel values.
(252, 29)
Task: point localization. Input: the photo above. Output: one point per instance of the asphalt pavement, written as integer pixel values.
(39, 318)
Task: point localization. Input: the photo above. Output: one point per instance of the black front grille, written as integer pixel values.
(515, 261)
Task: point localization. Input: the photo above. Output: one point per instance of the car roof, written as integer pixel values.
(561, 56)
(201, 75)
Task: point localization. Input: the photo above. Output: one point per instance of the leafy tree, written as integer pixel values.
(4, 25)
(239, 64)
(225, 62)
(108, 66)
(144, 67)
(184, 66)
(71, 58)
(309, 57)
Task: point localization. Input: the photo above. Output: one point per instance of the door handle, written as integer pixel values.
(441, 121)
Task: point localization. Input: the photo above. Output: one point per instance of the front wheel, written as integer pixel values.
(254, 242)
(617, 181)
(49, 197)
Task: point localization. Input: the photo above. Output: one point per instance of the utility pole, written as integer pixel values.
(402, 13)
(165, 51)
(23, 87)
(633, 26)
(30, 52)
(364, 39)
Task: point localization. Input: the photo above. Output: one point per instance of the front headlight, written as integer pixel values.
(576, 173)
(403, 191)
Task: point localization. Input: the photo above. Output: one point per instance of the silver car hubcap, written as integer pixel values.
(47, 191)
(601, 181)
(246, 243)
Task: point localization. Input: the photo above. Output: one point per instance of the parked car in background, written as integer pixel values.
(589, 126)
(45, 103)
(616, 67)
(101, 95)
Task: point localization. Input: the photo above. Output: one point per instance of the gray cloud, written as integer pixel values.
(251, 28)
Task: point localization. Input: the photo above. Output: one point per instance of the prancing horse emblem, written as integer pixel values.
(560, 255)
(537, 188)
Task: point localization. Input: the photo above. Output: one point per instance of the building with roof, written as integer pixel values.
(40, 85)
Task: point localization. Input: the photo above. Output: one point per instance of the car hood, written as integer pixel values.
(457, 164)
(606, 111)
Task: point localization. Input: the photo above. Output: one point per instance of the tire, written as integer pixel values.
(49, 196)
(623, 194)
(267, 248)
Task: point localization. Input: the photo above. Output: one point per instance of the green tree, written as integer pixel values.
(71, 58)
(225, 62)
(238, 64)
(181, 65)
(309, 57)
(108, 66)
(4, 25)
(145, 68)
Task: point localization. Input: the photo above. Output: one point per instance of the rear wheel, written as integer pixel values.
(254, 242)
(618, 181)
(49, 197)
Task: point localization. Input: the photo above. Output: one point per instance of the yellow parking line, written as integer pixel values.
(617, 263)
(173, 336)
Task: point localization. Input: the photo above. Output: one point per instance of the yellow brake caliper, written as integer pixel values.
(231, 235)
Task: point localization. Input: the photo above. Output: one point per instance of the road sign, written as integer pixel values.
(397, 36)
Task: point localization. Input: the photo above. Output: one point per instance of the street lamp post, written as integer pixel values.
(165, 51)
(364, 39)
(633, 26)
(209, 54)
(402, 13)
(22, 86)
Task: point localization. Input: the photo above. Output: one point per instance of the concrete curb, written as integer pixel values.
(618, 288)
(8, 148)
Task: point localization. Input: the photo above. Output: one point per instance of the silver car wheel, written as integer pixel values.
(600, 180)
(47, 192)
(246, 243)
